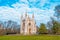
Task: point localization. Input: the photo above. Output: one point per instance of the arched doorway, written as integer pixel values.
(29, 30)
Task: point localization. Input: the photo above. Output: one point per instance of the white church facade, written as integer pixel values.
(28, 25)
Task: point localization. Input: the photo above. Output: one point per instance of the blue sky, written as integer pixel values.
(42, 9)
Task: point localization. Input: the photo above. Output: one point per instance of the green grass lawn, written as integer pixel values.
(32, 37)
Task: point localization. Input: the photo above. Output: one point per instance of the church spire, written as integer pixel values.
(26, 13)
(21, 16)
(33, 16)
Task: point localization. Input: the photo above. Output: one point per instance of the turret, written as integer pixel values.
(21, 17)
(25, 14)
(33, 16)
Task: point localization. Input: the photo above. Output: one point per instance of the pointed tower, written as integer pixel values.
(33, 16)
(25, 15)
(21, 17)
(21, 24)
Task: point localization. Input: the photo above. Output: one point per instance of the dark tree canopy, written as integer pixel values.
(42, 29)
(57, 11)
(57, 7)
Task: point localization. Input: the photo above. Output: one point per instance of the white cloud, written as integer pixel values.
(42, 2)
(8, 13)
(33, 0)
(24, 1)
(15, 13)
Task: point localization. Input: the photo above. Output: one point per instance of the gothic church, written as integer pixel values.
(28, 25)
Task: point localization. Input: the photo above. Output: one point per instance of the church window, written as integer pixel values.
(29, 24)
(23, 24)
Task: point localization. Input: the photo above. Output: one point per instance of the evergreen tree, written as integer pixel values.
(42, 28)
(56, 27)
